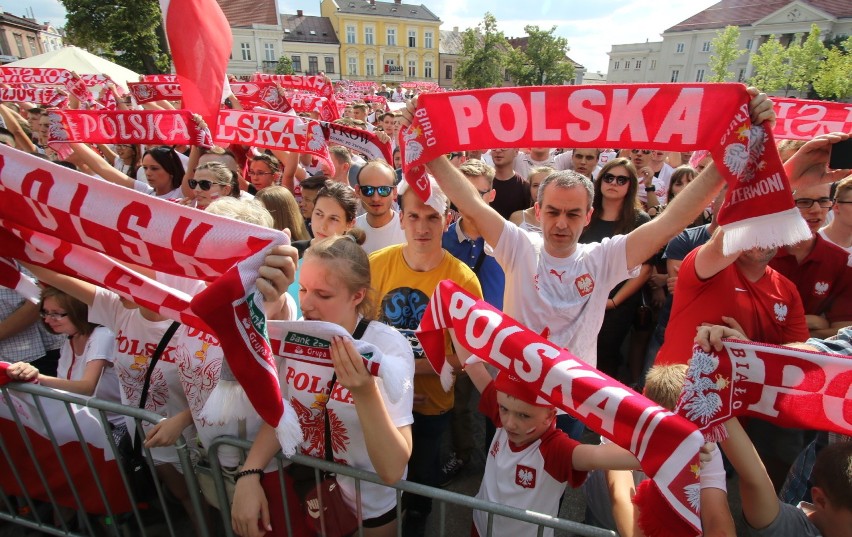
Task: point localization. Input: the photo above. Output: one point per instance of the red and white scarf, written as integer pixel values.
(802, 119)
(665, 444)
(673, 117)
(151, 127)
(41, 96)
(314, 84)
(75, 224)
(159, 79)
(305, 102)
(146, 92)
(262, 94)
(786, 386)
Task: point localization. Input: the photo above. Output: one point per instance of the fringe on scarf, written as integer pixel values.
(394, 378)
(716, 433)
(765, 231)
(288, 431)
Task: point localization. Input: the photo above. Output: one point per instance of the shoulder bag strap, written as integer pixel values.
(161, 348)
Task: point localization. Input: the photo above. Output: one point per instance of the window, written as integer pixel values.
(32, 43)
(705, 47)
(638, 64)
(368, 35)
(297, 63)
(449, 72)
(350, 34)
(20, 42)
(352, 66)
(427, 69)
(246, 50)
(679, 48)
(313, 65)
(675, 75)
(412, 38)
(627, 65)
(699, 76)
(269, 51)
(748, 44)
(653, 64)
(329, 64)
(412, 68)
(616, 66)
(371, 67)
(427, 39)
(391, 37)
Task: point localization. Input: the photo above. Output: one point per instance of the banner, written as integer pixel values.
(801, 119)
(159, 79)
(150, 127)
(670, 117)
(786, 386)
(262, 94)
(318, 84)
(666, 444)
(48, 97)
(359, 140)
(146, 92)
(303, 102)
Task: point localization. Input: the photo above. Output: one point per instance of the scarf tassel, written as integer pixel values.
(288, 431)
(394, 378)
(765, 231)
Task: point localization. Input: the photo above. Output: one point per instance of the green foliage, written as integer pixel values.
(543, 61)
(285, 66)
(805, 60)
(484, 56)
(770, 69)
(724, 53)
(128, 32)
(833, 79)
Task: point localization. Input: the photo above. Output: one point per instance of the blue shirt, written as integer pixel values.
(490, 273)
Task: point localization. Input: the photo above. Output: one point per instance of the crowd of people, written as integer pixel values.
(614, 254)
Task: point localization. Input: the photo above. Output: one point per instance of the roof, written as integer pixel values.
(308, 29)
(747, 12)
(450, 42)
(387, 9)
(521, 43)
(245, 13)
(20, 21)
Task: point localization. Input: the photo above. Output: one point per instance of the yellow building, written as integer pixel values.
(386, 42)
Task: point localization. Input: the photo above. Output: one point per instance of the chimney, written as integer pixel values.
(300, 13)
(455, 29)
(397, 1)
(372, 2)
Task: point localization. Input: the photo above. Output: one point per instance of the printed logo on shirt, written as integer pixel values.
(780, 312)
(403, 308)
(535, 282)
(495, 449)
(821, 288)
(585, 284)
(525, 476)
(558, 274)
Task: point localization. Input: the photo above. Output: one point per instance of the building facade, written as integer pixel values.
(257, 36)
(386, 42)
(19, 38)
(684, 53)
(311, 45)
(52, 38)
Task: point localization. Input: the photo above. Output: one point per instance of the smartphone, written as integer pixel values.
(841, 155)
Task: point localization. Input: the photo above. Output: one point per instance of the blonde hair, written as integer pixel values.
(284, 210)
(352, 263)
(663, 384)
(249, 211)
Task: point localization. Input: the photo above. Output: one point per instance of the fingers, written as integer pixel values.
(265, 520)
(730, 321)
(761, 108)
(277, 273)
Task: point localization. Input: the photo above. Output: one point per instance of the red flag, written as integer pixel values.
(201, 55)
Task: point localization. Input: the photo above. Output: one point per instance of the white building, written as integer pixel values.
(684, 53)
(257, 35)
(52, 38)
(311, 44)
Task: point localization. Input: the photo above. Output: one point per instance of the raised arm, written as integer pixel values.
(100, 166)
(24, 142)
(82, 291)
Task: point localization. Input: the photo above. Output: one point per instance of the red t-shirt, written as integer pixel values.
(769, 310)
(823, 278)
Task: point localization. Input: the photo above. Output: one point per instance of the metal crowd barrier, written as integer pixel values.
(156, 517)
(162, 515)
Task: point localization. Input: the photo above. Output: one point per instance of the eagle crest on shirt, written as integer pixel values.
(821, 288)
(525, 476)
(585, 284)
(780, 311)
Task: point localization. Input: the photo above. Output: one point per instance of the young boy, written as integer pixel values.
(530, 462)
(609, 493)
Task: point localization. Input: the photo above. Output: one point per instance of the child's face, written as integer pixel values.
(523, 422)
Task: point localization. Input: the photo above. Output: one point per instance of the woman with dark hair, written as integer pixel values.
(617, 211)
(163, 171)
(335, 209)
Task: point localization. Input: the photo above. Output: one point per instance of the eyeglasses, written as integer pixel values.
(807, 203)
(451, 156)
(843, 202)
(620, 180)
(52, 315)
(643, 151)
(368, 191)
(255, 174)
(204, 184)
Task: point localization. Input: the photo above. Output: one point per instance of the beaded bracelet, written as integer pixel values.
(243, 473)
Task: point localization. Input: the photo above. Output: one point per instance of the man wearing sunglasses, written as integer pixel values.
(819, 269)
(378, 194)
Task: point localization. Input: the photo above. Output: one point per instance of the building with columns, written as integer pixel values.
(684, 53)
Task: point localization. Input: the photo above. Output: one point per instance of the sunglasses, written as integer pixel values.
(368, 191)
(204, 184)
(620, 180)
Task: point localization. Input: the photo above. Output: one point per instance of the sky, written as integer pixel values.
(591, 27)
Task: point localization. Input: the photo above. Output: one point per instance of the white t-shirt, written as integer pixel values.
(824, 236)
(145, 188)
(136, 339)
(306, 385)
(565, 298)
(661, 182)
(380, 237)
(100, 346)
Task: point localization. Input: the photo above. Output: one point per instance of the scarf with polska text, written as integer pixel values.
(328, 109)
(48, 97)
(150, 127)
(146, 92)
(312, 83)
(783, 385)
(666, 444)
(803, 119)
(260, 94)
(159, 79)
(758, 208)
(58, 218)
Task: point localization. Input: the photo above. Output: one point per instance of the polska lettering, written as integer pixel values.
(802, 119)
(121, 126)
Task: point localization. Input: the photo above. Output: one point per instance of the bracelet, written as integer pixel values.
(650, 188)
(250, 471)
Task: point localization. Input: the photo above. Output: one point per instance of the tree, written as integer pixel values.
(805, 60)
(285, 66)
(484, 52)
(724, 53)
(832, 81)
(770, 69)
(128, 32)
(543, 61)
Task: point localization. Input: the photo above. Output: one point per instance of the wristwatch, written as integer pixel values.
(650, 188)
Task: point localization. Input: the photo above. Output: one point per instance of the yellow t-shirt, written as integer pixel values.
(402, 295)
